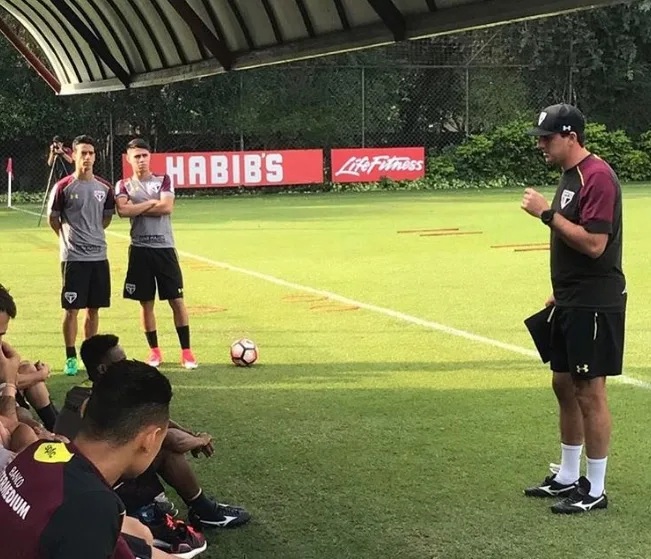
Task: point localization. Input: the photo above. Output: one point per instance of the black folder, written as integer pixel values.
(540, 328)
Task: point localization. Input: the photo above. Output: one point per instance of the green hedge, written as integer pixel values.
(508, 153)
(507, 157)
(503, 158)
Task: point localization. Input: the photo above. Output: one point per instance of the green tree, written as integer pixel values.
(609, 52)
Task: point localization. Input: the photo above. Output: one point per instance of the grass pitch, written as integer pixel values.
(374, 425)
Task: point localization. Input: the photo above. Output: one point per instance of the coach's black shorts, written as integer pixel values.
(150, 268)
(86, 285)
(586, 343)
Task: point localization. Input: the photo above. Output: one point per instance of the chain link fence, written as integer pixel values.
(432, 93)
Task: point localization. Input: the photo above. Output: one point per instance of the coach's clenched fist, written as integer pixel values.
(533, 202)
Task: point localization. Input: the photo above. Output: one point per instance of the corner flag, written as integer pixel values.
(10, 174)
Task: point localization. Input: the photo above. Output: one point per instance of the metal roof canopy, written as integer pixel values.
(107, 45)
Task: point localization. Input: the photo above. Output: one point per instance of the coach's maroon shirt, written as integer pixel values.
(589, 195)
(54, 504)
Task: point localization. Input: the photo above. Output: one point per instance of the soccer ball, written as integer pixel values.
(244, 352)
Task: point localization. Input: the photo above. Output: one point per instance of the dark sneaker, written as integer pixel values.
(580, 500)
(150, 514)
(221, 516)
(156, 510)
(179, 540)
(166, 506)
(550, 488)
(172, 536)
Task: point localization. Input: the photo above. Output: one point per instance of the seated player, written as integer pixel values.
(56, 499)
(30, 384)
(14, 436)
(99, 352)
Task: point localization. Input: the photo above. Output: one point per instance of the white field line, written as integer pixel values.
(372, 308)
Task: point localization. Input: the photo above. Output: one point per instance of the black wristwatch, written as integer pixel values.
(547, 216)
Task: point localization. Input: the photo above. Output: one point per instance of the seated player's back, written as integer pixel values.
(50, 496)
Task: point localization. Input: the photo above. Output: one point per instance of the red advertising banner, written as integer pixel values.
(371, 164)
(237, 168)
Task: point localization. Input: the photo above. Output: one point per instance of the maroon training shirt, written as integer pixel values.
(589, 195)
(54, 504)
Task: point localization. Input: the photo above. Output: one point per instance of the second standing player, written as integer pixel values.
(148, 199)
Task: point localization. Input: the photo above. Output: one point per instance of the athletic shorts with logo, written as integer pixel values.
(86, 285)
(82, 208)
(587, 343)
(152, 269)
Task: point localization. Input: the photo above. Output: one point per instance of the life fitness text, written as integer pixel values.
(373, 164)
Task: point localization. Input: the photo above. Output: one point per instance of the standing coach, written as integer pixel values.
(588, 304)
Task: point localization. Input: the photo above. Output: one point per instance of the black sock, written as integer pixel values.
(48, 416)
(152, 338)
(71, 352)
(201, 504)
(184, 336)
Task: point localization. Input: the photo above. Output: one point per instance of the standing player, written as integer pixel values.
(148, 200)
(80, 208)
(589, 303)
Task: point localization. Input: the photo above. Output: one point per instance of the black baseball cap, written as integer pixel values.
(559, 119)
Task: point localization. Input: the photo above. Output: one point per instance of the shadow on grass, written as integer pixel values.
(337, 372)
(381, 473)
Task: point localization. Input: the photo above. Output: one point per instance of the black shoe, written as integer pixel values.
(221, 516)
(172, 536)
(166, 506)
(580, 500)
(178, 539)
(550, 488)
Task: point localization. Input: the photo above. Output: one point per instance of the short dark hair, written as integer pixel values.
(580, 137)
(83, 139)
(138, 143)
(7, 303)
(93, 350)
(57, 139)
(131, 395)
